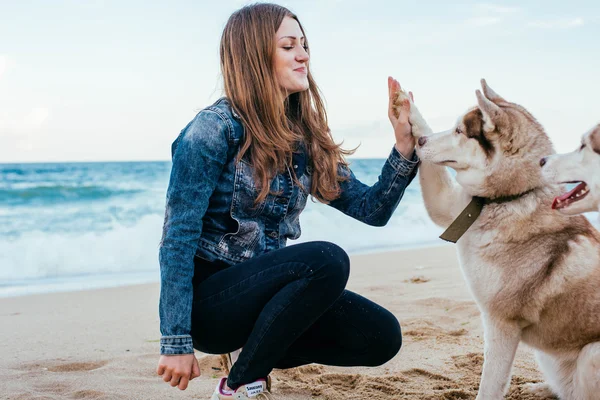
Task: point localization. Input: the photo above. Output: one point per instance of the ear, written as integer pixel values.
(492, 114)
(489, 93)
(595, 139)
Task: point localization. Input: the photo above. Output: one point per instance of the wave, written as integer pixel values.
(51, 194)
(41, 255)
(132, 248)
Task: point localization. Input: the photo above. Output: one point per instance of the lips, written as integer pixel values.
(301, 70)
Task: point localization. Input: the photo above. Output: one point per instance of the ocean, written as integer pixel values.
(73, 226)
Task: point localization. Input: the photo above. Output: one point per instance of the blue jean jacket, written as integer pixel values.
(210, 211)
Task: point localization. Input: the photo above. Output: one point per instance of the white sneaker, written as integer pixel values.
(257, 390)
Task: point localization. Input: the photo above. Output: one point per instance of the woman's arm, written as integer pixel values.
(199, 155)
(374, 205)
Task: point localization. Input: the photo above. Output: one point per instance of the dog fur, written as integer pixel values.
(581, 165)
(534, 272)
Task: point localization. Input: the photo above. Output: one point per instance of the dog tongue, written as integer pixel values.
(565, 196)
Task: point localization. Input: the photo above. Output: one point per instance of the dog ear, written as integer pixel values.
(492, 114)
(595, 139)
(489, 92)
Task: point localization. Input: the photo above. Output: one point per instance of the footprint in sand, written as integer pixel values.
(421, 329)
(470, 361)
(76, 366)
(61, 366)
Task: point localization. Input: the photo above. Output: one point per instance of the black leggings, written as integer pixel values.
(288, 308)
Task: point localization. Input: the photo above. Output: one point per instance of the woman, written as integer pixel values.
(242, 171)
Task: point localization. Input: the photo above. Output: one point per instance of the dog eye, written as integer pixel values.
(458, 131)
(582, 146)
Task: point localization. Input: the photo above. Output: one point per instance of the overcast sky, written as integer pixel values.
(94, 80)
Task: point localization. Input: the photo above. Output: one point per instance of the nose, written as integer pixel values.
(543, 161)
(422, 141)
(302, 55)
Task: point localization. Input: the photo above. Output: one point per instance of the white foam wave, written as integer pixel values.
(42, 255)
(127, 248)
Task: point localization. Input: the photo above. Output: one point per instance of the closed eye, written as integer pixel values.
(291, 47)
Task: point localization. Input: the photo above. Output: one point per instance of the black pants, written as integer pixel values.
(288, 308)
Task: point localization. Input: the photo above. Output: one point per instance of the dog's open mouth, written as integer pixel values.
(576, 194)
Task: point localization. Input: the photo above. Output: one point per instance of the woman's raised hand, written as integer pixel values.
(398, 112)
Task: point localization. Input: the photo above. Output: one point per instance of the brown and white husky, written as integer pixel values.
(534, 272)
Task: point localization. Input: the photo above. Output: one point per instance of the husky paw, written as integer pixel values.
(541, 390)
(416, 120)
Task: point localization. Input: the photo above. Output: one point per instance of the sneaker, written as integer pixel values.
(257, 390)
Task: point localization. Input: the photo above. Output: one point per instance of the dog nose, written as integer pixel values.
(543, 162)
(422, 141)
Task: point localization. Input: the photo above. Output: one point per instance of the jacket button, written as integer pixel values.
(281, 200)
(274, 235)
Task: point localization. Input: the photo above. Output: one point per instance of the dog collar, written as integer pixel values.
(467, 217)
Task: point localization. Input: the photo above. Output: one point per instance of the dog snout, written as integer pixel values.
(543, 161)
(422, 141)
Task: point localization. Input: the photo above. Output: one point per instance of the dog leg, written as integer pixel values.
(558, 370)
(540, 390)
(501, 342)
(586, 380)
(444, 199)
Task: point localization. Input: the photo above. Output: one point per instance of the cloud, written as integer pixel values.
(564, 23)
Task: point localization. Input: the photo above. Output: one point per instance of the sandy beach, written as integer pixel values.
(103, 344)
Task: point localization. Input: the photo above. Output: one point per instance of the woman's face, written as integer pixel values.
(291, 58)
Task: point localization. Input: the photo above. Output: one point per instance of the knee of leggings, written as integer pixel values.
(334, 258)
(389, 345)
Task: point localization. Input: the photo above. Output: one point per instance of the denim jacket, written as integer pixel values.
(210, 211)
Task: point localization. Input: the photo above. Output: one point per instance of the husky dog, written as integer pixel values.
(534, 273)
(582, 167)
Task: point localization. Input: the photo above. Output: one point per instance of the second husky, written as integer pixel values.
(581, 166)
(534, 273)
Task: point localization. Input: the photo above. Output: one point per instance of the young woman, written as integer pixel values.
(242, 171)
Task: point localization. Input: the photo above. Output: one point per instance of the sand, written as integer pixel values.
(103, 344)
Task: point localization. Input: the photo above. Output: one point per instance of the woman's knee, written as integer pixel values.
(389, 342)
(333, 259)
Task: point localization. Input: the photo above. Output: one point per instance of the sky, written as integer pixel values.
(117, 80)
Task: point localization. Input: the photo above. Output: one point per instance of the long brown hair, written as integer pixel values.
(274, 123)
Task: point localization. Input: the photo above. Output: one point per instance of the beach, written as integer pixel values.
(104, 343)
